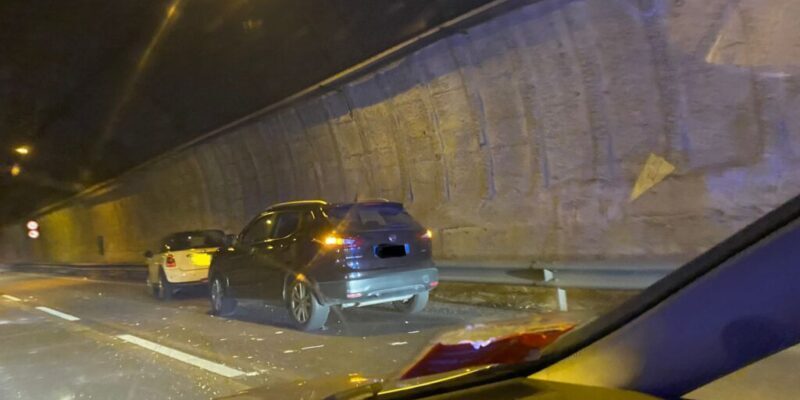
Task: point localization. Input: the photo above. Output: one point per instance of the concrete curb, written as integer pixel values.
(537, 299)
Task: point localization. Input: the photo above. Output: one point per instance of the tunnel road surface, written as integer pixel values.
(75, 338)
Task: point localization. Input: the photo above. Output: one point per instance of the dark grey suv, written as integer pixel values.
(311, 255)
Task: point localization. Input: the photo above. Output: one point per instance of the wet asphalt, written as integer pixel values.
(87, 343)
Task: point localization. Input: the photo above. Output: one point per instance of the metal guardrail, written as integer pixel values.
(561, 276)
(625, 274)
(120, 272)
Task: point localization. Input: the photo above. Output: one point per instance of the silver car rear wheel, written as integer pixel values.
(165, 289)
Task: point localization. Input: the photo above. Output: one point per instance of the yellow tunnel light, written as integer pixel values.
(23, 150)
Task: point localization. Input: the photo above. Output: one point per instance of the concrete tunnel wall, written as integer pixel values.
(517, 140)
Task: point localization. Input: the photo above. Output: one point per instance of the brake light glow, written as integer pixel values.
(353, 295)
(336, 241)
(332, 240)
(434, 284)
(428, 234)
(170, 261)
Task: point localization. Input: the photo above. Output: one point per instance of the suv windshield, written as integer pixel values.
(363, 217)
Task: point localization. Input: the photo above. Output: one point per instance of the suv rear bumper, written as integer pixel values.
(373, 287)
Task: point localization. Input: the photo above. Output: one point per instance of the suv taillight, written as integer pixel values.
(334, 241)
(170, 261)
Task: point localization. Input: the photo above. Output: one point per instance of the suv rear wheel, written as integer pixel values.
(413, 304)
(304, 309)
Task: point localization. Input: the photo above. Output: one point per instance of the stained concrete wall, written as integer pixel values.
(519, 139)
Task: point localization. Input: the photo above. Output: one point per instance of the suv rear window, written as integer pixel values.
(370, 216)
(194, 240)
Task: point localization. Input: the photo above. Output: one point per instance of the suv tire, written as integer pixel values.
(412, 305)
(305, 311)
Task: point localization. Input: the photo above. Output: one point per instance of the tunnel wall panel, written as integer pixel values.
(518, 139)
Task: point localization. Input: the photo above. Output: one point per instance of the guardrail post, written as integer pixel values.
(547, 275)
(561, 294)
(562, 299)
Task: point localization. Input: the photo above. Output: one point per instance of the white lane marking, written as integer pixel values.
(398, 343)
(210, 366)
(288, 351)
(312, 347)
(10, 297)
(58, 314)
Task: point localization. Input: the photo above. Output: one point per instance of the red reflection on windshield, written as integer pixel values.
(511, 349)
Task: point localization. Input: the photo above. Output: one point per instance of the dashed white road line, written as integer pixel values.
(312, 347)
(58, 314)
(10, 297)
(210, 366)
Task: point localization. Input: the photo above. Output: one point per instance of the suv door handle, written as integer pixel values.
(267, 247)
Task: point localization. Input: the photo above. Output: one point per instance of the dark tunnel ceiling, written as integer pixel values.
(100, 86)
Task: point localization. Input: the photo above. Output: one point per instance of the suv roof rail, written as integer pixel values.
(297, 203)
(369, 202)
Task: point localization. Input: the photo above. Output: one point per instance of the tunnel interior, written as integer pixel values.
(557, 131)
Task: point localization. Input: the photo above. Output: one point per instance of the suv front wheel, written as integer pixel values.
(304, 309)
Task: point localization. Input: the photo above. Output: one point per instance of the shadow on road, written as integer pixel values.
(351, 322)
(191, 292)
(356, 322)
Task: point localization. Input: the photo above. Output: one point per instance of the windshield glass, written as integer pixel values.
(370, 216)
(370, 180)
(194, 240)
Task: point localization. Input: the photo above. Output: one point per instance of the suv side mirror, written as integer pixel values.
(230, 240)
(148, 254)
